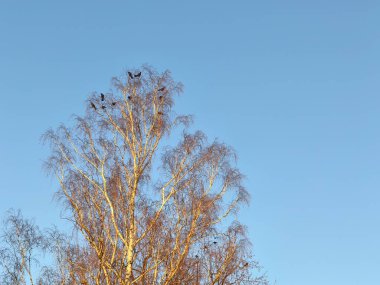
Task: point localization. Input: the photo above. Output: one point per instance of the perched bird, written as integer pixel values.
(130, 75)
(113, 103)
(161, 97)
(138, 75)
(102, 96)
(196, 256)
(93, 106)
(215, 242)
(104, 107)
(161, 89)
(246, 264)
(160, 113)
(129, 97)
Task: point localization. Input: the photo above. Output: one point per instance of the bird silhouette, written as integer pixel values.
(138, 75)
(161, 89)
(215, 242)
(129, 97)
(246, 264)
(161, 97)
(104, 107)
(160, 113)
(130, 74)
(196, 256)
(93, 106)
(102, 96)
(113, 103)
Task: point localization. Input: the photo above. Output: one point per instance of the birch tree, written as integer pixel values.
(152, 202)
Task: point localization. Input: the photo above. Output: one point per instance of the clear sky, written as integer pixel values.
(292, 85)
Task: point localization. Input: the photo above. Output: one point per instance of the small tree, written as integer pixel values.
(147, 213)
(21, 241)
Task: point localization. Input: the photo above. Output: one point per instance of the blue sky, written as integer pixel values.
(293, 86)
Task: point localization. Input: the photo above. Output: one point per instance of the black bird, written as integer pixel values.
(130, 75)
(102, 96)
(246, 264)
(129, 97)
(196, 256)
(161, 89)
(93, 106)
(104, 107)
(160, 113)
(215, 242)
(138, 75)
(113, 103)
